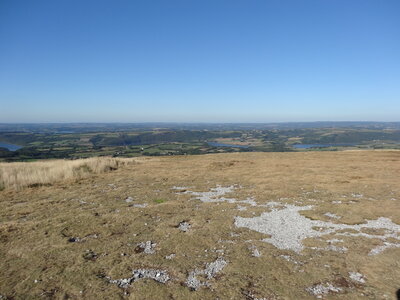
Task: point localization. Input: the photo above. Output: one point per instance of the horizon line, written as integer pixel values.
(194, 122)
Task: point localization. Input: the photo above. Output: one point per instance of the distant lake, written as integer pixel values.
(65, 131)
(308, 146)
(214, 144)
(10, 147)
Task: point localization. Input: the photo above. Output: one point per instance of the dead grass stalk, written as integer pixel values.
(18, 175)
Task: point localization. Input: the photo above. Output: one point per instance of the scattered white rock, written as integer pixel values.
(250, 296)
(210, 271)
(214, 267)
(358, 277)
(171, 256)
(184, 226)
(142, 205)
(129, 199)
(255, 252)
(322, 289)
(81, 240)
(332, 216)
(336, 249)
(249, 200)
(332, 241)
(354, 195)
(331, 248)
(75, 240)
(147, 247)
(241, 208)
(289, 259)
(157, 275)
(216, 195)
(380, 249)
(192, 282)
(179, 188)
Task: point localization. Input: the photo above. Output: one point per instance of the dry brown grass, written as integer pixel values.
(28, 174)
(38, 261)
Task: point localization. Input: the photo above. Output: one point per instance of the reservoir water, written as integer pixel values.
(10, 147)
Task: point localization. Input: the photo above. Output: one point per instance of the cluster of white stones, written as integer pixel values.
(157, 275)
(147, 247)
(210, 271)
(216, 195)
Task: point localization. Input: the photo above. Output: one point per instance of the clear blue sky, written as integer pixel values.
(199, 60)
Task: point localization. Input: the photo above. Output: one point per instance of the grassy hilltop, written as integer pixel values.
(296, 225)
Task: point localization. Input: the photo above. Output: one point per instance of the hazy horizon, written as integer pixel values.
(194, 122)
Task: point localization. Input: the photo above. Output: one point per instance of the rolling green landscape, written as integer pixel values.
(72, 141)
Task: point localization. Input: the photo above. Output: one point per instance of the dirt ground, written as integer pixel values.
(182, 224)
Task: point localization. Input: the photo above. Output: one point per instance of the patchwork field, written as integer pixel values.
(302, 225)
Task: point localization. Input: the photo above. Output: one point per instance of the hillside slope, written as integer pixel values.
(223, 226)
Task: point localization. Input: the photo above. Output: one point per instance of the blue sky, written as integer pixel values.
(199, 61)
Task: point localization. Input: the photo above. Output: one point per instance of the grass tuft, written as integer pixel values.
(159, 201)
(18, 175)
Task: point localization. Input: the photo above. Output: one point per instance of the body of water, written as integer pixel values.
(65, 131)
(308, 146)
(215, 144)
(10, 147)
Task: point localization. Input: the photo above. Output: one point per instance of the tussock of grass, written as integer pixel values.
(159, 201)
(18, 175)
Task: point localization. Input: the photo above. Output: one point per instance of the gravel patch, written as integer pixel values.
(210, 270)
(216, 195)
(192, 282)
(160, 276)
(288, 228)
(215, 267)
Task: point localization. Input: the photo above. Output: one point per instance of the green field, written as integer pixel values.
(48, 143)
